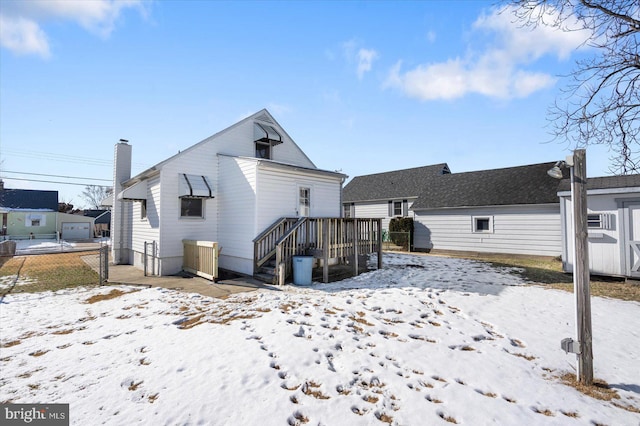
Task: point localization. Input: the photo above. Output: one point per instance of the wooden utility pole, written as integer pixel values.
(581, 276)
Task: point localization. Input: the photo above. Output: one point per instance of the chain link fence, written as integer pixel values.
(396, 241)
(53, 269)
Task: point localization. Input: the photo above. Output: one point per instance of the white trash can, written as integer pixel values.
(302, 270)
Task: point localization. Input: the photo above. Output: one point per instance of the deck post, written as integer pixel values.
(355, 246)
(325, 250)
(379, 243)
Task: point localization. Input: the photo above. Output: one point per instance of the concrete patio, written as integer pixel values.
(128, 274)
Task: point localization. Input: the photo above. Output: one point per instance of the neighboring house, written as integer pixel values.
(512, 210)
(28, 213)
(613, 221)
(390, 194)
(102, 221)
(227, 188)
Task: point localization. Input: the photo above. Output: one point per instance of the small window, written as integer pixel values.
(397, 208)
(143, 209)
(263, 150)
(482, 224)
(349, 210)
(346, 211)
(35, 222)
(191, 207)
(304, 202)
(594, 221)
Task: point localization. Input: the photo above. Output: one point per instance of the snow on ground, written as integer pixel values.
(424, 341)
(42, 246)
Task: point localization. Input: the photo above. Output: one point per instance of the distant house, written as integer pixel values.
(613, 221)
(389, 194)
(102, 221)
(229, 188)
(28, 213)
(512, 210)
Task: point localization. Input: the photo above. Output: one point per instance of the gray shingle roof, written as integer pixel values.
(509, 186)
(29, 199)
(392, 185)
(605, 182)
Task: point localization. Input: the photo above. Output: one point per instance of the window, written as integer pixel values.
(191, 207)
(348, 210)
(600, 221)
(397, 208)
(35, 220)
(263, 150)
(483, 224)
(143, 209)
(304, 202)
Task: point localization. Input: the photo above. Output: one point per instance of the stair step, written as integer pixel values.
(267, 278)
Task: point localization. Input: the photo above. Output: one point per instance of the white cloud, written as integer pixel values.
(21, 30)
(365, 60)
(23, 36)
(497, 71)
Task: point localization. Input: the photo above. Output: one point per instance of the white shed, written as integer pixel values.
(613, 220)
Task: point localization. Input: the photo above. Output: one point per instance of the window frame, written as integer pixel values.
(260, 145)
(182, 209)
(599, 222)
(395, 208)
(143, 209)
(475, 220)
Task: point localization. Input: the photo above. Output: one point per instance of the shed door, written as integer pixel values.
(632, 219)
(76, 231)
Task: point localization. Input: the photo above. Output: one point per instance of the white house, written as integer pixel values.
(512, 210)
(613, 221)
(389, 194)
(227, 188)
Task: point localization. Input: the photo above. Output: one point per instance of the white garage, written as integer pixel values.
(76, 231)
(75, 227)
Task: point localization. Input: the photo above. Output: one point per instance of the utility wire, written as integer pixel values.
(62, 157)
(60, 176)
(53, 181)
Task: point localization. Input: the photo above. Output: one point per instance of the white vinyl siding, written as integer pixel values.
(201, 160)
(278, 195)
(236, 194)
(380, 209)
(147, 229)
(531, 230)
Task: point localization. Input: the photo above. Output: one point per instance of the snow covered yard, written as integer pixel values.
(423, 341)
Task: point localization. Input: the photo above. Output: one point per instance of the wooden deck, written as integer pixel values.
(331, 241)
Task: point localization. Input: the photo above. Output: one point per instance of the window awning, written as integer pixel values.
(195, 186)
(135, 192)
(265, 133)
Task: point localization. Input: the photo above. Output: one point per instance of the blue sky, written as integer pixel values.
(362, 87)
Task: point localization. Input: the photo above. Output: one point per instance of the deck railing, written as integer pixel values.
(201, 258)
(264, 245)
(337, 239)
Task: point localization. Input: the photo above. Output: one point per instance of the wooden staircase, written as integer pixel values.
(334, 240)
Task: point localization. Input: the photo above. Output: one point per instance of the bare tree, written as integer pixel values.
(95, 194)
(601, 102)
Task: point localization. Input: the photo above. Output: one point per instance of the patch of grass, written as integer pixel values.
(100, 297)
(51, 272)
(598, 390)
